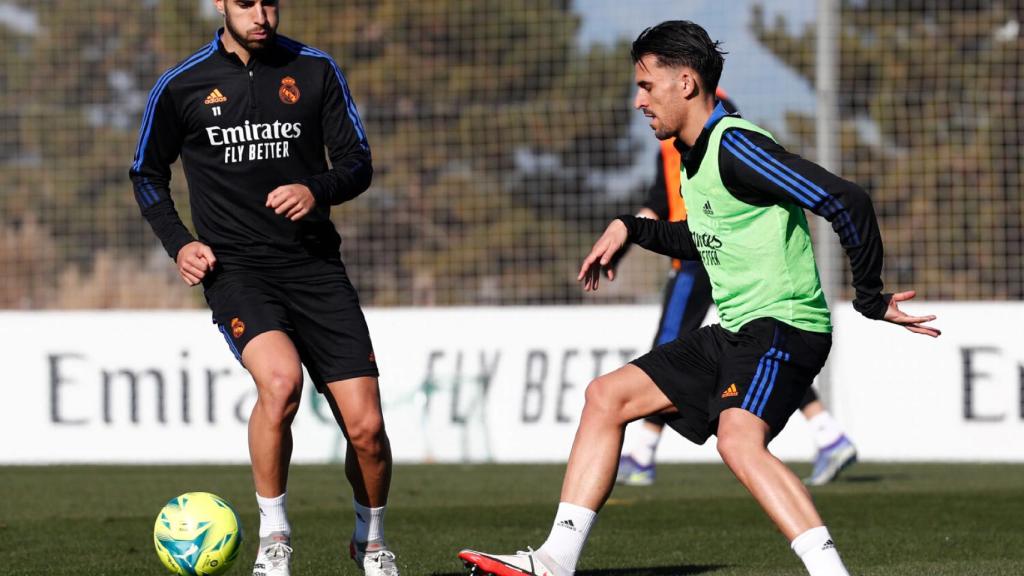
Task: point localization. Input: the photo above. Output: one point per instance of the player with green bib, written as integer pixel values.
(742, 379)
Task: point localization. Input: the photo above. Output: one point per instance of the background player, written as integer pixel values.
(251, 114)
(685, 304)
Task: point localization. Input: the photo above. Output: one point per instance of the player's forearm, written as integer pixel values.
(167, 225)
(666, 238)
(850, 211)
(349, 177)
(862, 241)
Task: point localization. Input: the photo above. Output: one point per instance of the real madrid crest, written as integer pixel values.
(289, 91)
(237, 328)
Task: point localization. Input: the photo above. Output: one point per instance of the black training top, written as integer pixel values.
(242, 131)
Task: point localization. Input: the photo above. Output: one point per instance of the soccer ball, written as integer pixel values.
(197, 534)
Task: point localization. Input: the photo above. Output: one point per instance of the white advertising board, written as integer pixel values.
(478, 384)
(959, 397)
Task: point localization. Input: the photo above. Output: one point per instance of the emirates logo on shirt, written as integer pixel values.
(250, 142)
(708, 245)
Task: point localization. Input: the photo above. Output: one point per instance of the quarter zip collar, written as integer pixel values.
(233, 57)
(692, 157)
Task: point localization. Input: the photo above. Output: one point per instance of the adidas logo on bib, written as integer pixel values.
(707, 208)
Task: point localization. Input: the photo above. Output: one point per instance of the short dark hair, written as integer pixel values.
(682, 43)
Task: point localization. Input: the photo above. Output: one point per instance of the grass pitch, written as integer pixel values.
(930, 520)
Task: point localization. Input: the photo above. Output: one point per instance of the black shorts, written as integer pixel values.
(314, 304)
(684, 305)
(765, 368)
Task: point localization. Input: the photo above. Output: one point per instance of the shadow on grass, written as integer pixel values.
(655, 570)
(684, 570)
(868, 478)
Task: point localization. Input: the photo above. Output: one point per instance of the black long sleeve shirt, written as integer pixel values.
(242, 131)
(760, 172)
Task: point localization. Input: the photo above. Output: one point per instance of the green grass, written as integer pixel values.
(930, 520)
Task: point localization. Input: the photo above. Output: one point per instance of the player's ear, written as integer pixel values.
(219, 4)
(688, 82)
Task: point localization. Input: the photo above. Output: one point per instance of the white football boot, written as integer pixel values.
(373, 559)
(274, 557)
(529, 563)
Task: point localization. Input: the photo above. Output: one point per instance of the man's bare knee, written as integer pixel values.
(279, 395)
(739, 448)
(601, 398)
(729, 446)
(366, 435)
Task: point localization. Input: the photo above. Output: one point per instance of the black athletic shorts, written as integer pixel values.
(765, 368)
(684, 305)
(314, 304)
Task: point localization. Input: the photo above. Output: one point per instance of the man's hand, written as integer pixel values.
(915, 324)
(194, 260)
(601, 255)
(293, 201)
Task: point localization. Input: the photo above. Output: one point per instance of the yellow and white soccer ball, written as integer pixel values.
(197, 534)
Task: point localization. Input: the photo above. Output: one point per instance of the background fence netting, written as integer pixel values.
(504, 139)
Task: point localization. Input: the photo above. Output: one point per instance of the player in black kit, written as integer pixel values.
(251, 114)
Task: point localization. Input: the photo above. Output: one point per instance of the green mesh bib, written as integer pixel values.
(759, 259)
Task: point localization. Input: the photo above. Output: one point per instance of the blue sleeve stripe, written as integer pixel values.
(154, 196)
(743, 155)
(828, 207)
(350, 106)
(847, 231)
(146, 194)
(815, 191)
(142, 194)
(154, 97)
(749, 157)
(151, 195)
(832, 209)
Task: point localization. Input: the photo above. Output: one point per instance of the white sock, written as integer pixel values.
(369, 523)
(645, 444)
(826, 430)
(568, 535)
(273, 517)
(818, 552)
